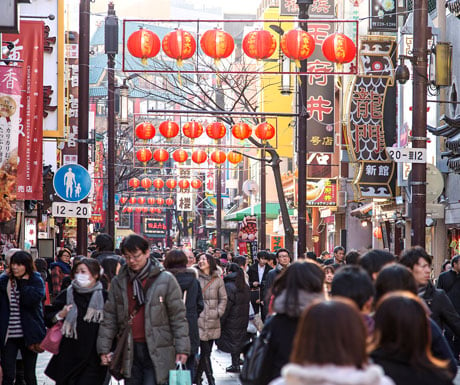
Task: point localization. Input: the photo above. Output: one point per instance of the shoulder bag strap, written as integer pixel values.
(208, 284)
(137, 307)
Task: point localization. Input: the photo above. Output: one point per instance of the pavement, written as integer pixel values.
(220, 361)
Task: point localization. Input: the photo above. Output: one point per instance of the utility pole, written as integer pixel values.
(218, 208)
(83, 107)
(263, 202)
(302, 141)
(419, 62)
(111, 50)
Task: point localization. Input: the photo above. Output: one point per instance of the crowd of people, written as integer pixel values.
(345, 318)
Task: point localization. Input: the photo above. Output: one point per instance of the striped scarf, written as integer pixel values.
(136, 279)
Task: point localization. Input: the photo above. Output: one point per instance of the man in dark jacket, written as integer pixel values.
(257, 274)
(283, 260)
(338, 259)
(105, 249)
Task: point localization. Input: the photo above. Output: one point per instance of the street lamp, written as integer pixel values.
(124, 93)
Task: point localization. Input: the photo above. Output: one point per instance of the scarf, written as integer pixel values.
(136, 279)
(94, 313)
(64, 266)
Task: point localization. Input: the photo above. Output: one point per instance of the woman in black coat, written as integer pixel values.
(175, 262)
(80, 307)
(234, 322)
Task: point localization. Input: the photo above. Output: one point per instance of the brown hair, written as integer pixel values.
(92, 264)
(331, 332)
(175, 258)
(402, 326)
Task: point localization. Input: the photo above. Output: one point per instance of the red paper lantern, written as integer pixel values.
(265, 131)
(145, 131)
(169, 201)
(196, 183)
(218, 157)
(184, 184)
(129, 209)
(145, 209)
(160, 201)
(141, 200)
(180, 155)
(339, 48)
(161, 155)
(151, 201)
(138, 209)
(169, 129)
(216, 130)
(132, 200)
(192, 129)
(146, 183)
(134, 183)
(152, 210)
(158, 183)
(179, 45)
(241, 131)
(158, 210)
(217, 44)
(143, 44)
(297, 44)
(123, 200)
(171, 183)
(259, 44)
(234, 157)
(144, 155)
(199, 156)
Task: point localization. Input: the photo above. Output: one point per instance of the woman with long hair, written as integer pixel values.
(330, 348)
(402, 342)
(80, 307)
(296, 288)
(60, 269)
(234, 322)
(215, 302)
(110, 267)
(22, 327)
(176, 263)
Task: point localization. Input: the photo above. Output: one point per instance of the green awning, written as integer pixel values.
(272, 212)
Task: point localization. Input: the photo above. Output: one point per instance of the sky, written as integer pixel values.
(235, 6)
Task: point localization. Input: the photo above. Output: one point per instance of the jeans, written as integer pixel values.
(142, 372)
(9, 352)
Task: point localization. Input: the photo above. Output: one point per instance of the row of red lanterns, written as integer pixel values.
(296, 44)
(194, 129)
(143, 201)
(159, 183)
(160, 155)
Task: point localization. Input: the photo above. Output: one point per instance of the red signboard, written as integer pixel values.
(322, 192)
(28, 47)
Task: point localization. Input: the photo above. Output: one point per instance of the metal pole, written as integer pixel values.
(418, 183)
(263, 202)
(83, 107)
(218, 208)
(302, 142)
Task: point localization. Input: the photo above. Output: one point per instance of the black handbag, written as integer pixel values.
(252, 372)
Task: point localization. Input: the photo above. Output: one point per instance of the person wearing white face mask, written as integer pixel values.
(80, 308)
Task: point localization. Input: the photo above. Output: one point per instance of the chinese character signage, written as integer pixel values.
(324, 8)
(28, 47)
(155, 227)
(321, 192)
(276, 242)
(10, 100)
(185, 201)
(372, 123)
(383, 16)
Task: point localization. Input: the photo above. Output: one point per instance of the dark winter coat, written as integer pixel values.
(257, 292)
(101, 255)
(77, 358)
(449, 281)
(31, 296)
(234, 322)
(442, 310)
(402, 372)
(194, 304)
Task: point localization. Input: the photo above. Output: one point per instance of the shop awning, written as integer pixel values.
(272, 212)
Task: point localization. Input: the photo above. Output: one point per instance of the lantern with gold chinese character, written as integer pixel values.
(217, 44)
(143, 44)
(169, 129)
(171, 184)
(265, 131)
(184, 184)
(160, 201)
(158, 183)
(218, 157)
(196, 183)
(216, 130)
(259, 44)
(141, 200)
(123, 200)
(192, 129)
(241, 131)
(151, 201)
(297, 45)
(180, 155)
(132, 200)
(169, 201)
(161, 155)
(199, 156)
(145, 131)
(134, 183)
(129, 209)
(179, 45)
(146, 183)
(234, 157)
(144, 155)
(339, 48)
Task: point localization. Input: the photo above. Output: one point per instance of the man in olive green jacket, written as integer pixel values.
(159, 336)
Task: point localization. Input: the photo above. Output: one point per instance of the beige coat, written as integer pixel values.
(215, 301)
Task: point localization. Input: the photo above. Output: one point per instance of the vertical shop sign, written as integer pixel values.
(383, 16)
(28, 47)
(98, 197)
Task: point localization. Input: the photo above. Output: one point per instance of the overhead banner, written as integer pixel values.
(372, 118)
(28, 47)
(10, 100)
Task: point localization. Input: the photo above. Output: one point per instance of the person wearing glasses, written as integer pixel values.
(159, 335)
